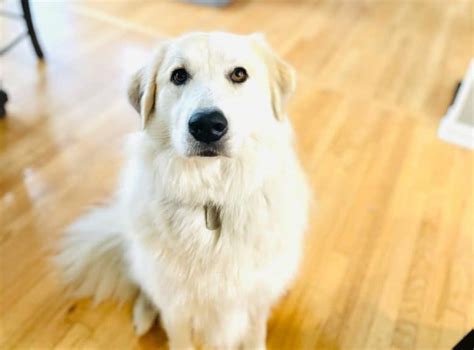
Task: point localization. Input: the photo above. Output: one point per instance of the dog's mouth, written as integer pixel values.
(207, 153)
(207, 150)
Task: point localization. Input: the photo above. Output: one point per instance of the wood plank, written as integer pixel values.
(388, 257)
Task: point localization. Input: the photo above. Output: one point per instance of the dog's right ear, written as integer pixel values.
(143, 87)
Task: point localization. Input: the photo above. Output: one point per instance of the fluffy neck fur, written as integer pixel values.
(219, 181)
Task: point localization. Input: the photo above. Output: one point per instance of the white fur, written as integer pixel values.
(210, 287)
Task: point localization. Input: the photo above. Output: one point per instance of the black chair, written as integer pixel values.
(29, 32)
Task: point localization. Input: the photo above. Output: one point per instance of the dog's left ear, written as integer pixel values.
(142, 88)
(282, 76)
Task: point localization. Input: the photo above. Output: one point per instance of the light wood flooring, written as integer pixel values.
(389, 255)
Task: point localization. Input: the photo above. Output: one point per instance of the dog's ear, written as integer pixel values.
(282, 76)
(142, 88)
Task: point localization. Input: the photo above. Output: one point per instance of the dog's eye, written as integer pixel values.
(179, 76)
(238, 75)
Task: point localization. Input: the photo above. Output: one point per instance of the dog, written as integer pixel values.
(207, 224)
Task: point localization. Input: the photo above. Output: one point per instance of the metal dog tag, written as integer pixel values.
(213, 220)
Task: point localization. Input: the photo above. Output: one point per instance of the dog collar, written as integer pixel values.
(212, 216)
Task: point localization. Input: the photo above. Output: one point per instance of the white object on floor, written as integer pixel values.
(457, 126)
(218, 3)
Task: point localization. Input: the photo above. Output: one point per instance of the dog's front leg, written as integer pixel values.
(144, 314)
(178, 329)
(255, 337)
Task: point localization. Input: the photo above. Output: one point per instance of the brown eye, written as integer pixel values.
(179, 76)
(238, 75)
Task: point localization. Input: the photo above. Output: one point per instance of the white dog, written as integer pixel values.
(207, 225)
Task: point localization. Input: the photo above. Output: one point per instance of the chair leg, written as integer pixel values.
(25, 4)
(3, 102)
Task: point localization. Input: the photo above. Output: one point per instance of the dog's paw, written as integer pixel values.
(144, 315)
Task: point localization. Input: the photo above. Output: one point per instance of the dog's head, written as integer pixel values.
(210, 94)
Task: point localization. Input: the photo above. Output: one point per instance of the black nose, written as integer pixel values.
(207, 126)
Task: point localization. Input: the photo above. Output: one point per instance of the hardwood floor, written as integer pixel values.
(389, 255)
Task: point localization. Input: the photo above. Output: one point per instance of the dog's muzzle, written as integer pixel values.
(208, 128)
